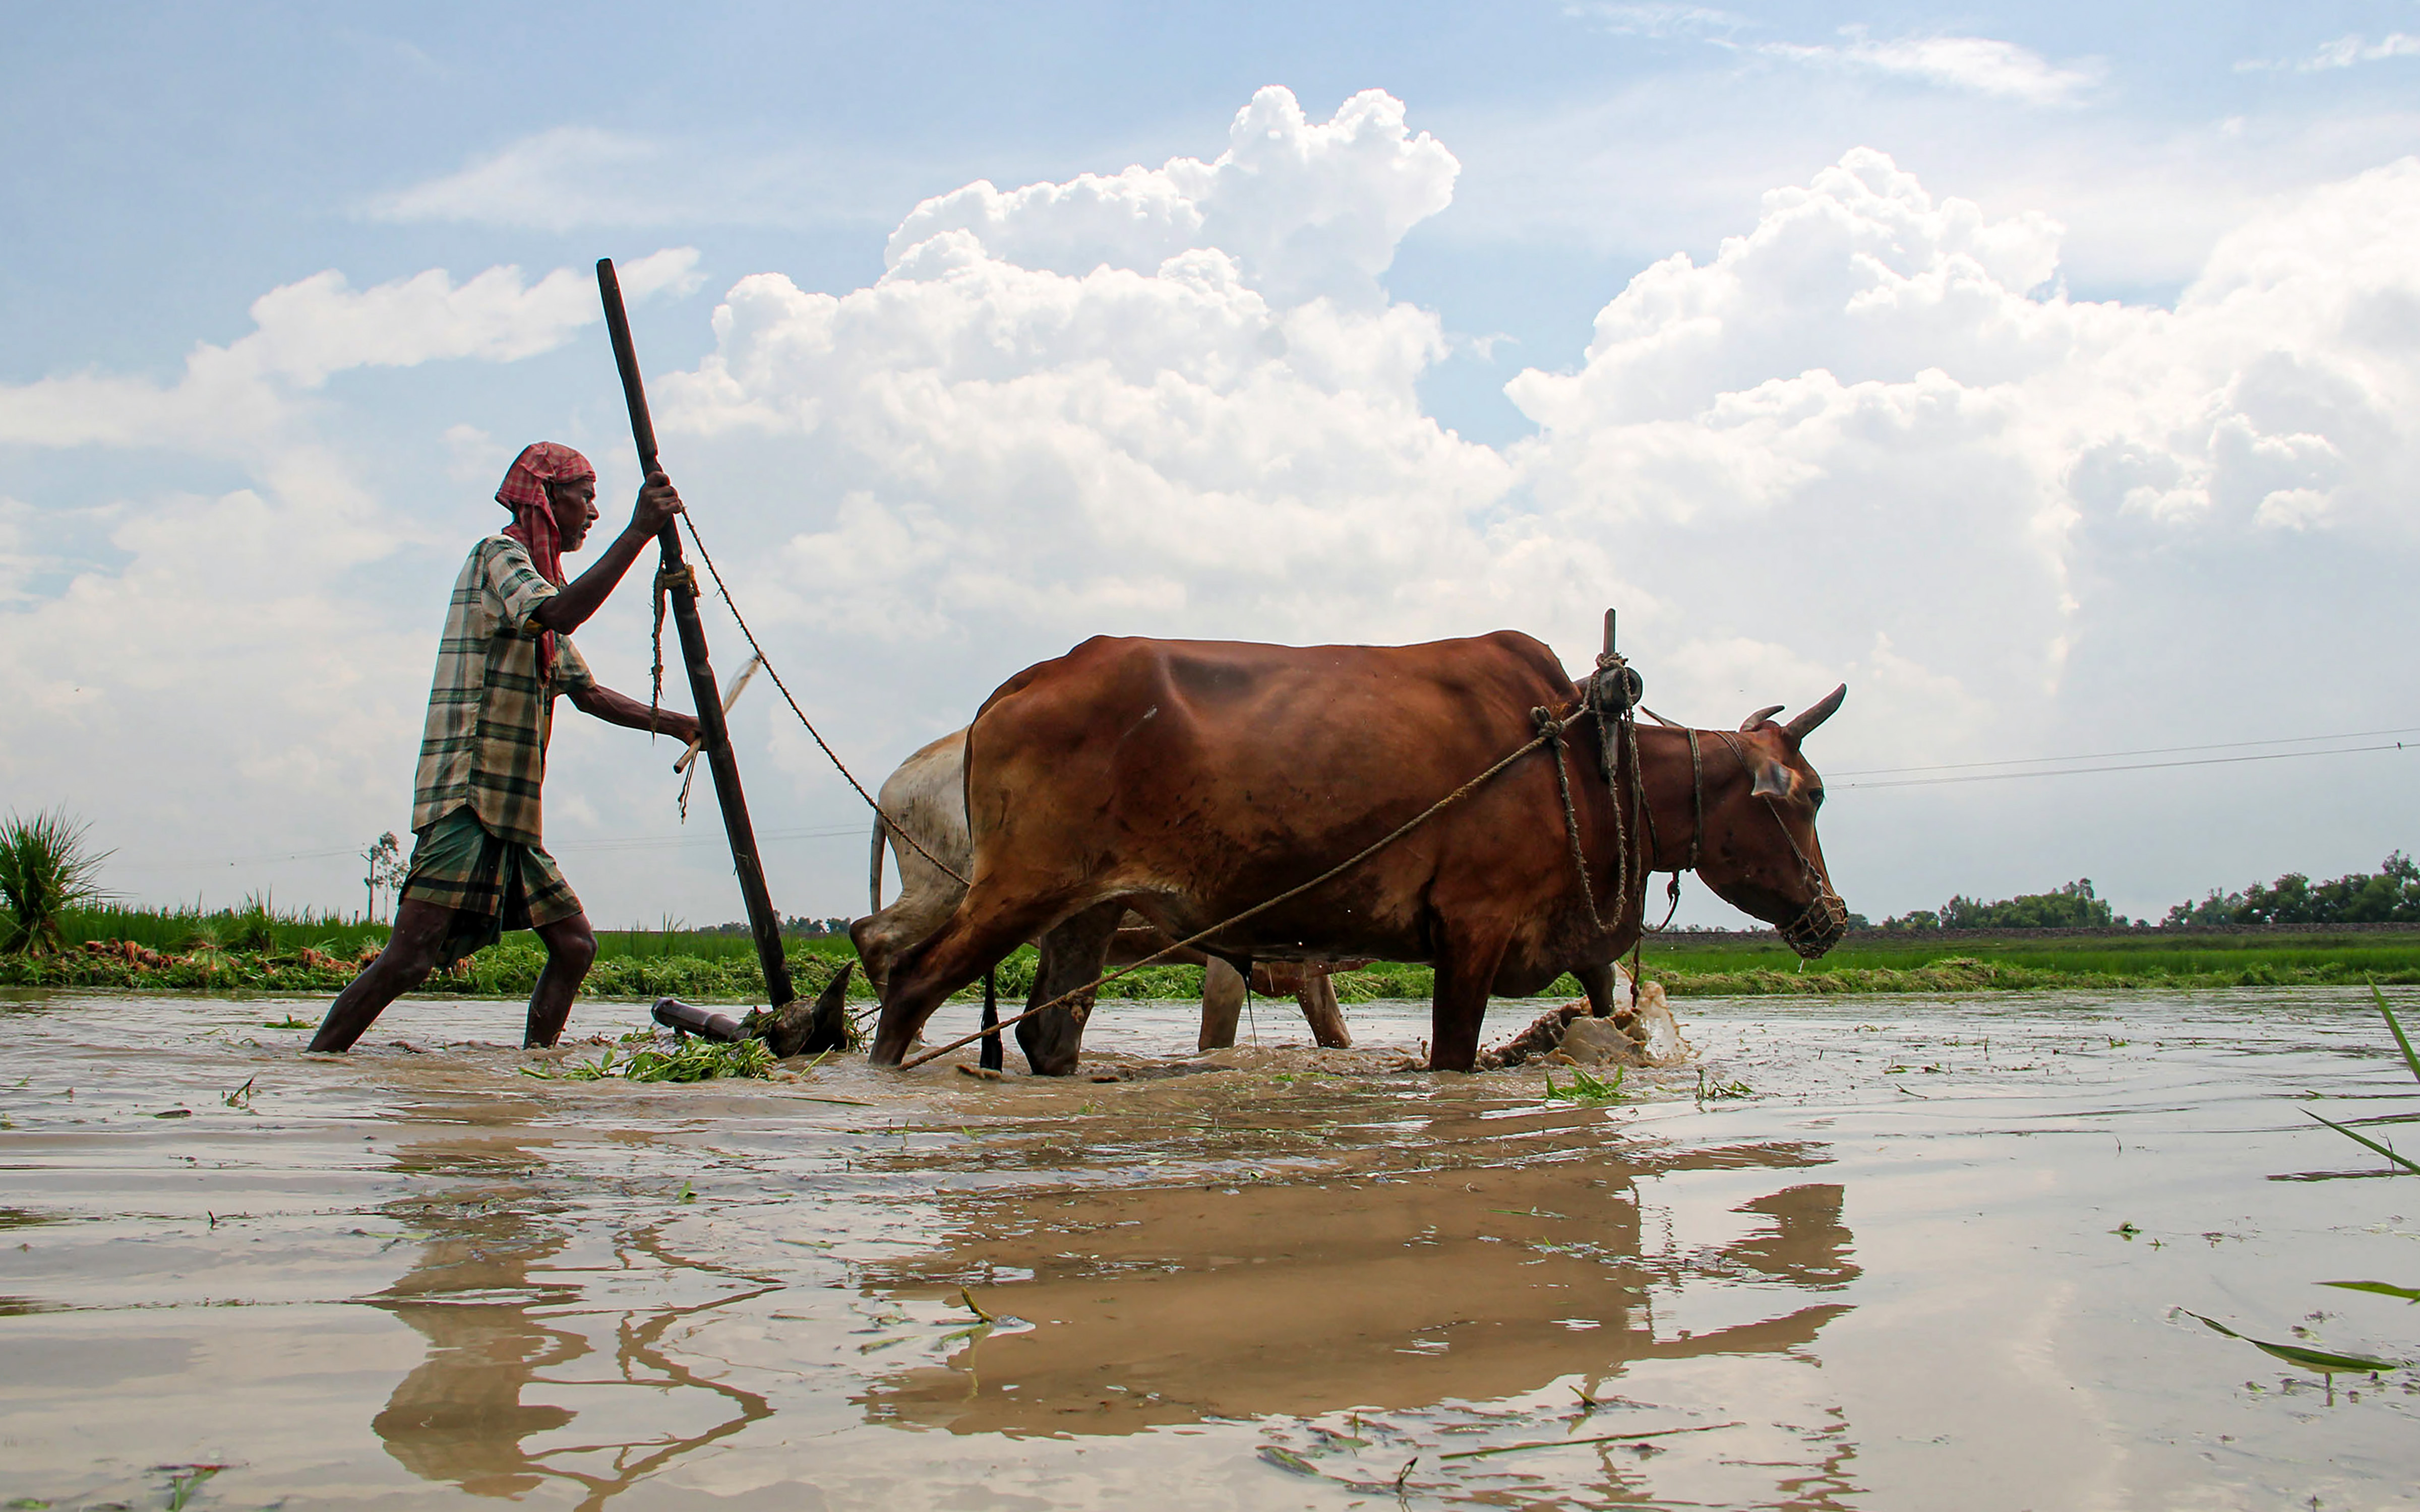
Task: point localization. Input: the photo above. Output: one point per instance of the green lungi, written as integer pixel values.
(491, 884)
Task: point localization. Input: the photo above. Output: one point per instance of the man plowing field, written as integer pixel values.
(480, 866)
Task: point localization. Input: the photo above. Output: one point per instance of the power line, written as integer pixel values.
(2139, 766)
(2113, 755)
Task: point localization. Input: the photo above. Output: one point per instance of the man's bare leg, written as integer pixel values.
(570, 947)
(409, 956)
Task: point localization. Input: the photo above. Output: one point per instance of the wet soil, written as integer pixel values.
(1929, 1258)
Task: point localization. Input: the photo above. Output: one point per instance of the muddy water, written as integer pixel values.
(1929, 1261)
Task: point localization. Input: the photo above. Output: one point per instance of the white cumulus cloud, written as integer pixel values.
(232, 397)
(1303, 208)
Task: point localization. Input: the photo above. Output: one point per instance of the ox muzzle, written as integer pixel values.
(1819, 926)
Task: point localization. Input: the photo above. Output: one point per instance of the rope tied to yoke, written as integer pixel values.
(665, 579)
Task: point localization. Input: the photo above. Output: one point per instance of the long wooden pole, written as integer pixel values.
(764, 924)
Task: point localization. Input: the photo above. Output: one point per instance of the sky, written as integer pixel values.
(2048, 373)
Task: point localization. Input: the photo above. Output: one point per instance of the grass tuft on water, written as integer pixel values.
(696, 1060)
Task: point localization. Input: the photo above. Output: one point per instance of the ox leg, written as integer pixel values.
(1317, 996)
(974, 941)
(1597, 981)
(1222, 1004)
(1465, 969)
(1073, 954)
(991, 1058)
(881, 938)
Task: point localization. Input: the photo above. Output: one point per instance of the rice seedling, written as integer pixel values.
(256, 926)
(695, 1061)
(2326, 1363)
(46, 869)
(1586, 1087)
(1709, 1087)
(184, 1481)
(2323, 1361)
(2409, 1294)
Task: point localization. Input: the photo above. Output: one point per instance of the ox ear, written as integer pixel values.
(1760, 718)
(1804, 725)
(1772, 781)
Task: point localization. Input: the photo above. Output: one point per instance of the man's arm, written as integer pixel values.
(617, 708)
(567, 610)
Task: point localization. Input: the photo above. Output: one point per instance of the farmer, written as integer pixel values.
(480, 867)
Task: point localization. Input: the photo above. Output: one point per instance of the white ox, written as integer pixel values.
(926, 796)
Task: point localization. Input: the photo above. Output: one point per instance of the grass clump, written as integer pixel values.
(47, 868)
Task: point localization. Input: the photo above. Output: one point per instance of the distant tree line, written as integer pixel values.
(2073, 907)
(814, 929)
(2390, 895)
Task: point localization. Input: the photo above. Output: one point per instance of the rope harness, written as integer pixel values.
(666, 580)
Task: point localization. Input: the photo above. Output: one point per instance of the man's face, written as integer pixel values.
(575, 510)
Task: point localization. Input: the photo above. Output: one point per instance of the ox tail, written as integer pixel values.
(874, 868)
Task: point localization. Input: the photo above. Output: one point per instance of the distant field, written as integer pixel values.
(254, 949)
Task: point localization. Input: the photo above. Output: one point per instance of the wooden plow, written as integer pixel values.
(829, 1026)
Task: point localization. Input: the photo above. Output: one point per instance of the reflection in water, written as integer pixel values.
(1309, 1255)
(507, 1312)
(1381, 1279)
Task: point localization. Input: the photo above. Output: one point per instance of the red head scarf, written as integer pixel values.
(523, 492)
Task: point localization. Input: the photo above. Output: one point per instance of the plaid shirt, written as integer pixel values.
(489, 711)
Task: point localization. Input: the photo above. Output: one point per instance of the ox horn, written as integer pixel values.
(1759, 717)
(1801, 727)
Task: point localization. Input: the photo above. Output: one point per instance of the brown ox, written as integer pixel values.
(926, 798)
(1193, 781)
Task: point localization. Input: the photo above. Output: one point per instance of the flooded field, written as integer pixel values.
(1926, 1256)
